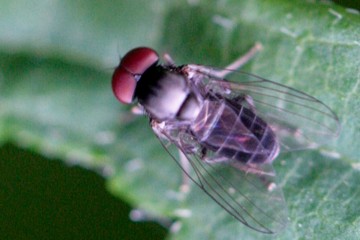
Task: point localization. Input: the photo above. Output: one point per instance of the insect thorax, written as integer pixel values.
(166, 96)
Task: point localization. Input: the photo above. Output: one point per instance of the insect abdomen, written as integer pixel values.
(235, 132)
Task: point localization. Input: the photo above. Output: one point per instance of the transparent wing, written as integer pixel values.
(248, 194)
(299, 120)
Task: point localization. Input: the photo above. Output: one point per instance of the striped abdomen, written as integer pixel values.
(234, 131)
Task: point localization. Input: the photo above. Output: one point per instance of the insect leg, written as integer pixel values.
(185, 187)
(264, 173)
(252, 168)
(238, 63)
(159, 130)
(192, 69)
(215, 159)
(168, 60)
(138, 110)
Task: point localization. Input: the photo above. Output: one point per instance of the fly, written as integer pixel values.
(228, 132)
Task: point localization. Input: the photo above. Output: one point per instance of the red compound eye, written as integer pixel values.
(135, 62)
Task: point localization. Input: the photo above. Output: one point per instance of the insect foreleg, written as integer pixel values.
(168, 60)
(138, 110)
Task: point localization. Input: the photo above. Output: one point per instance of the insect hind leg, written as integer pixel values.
(252, 169)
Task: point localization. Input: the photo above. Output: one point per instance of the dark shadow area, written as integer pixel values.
(45, 199)
(349, 3)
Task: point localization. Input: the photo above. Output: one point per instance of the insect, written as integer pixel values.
(227, 132)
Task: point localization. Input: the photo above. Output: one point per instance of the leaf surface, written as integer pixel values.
(56, 60)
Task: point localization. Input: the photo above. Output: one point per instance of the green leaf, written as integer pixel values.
(55, 98)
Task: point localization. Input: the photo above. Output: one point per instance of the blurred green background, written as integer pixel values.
(70, 152)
